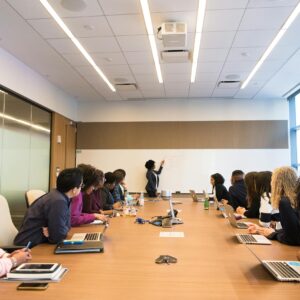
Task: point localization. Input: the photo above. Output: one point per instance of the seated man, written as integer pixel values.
(238, 191)
(48, 218)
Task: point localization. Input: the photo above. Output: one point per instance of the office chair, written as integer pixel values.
(32, 195)
(8, 231)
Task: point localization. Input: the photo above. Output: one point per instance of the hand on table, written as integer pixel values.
(241, 210)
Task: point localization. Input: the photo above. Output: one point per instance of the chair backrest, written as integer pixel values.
(32, 195)
(8, 231)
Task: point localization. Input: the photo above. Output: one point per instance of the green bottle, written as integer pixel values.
(206, 202)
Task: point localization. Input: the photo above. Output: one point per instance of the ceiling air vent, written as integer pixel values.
(175, 56)
(229, 84)
(126, 87)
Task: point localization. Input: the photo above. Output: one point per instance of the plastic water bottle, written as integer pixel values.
(206, 202)
(141, 199)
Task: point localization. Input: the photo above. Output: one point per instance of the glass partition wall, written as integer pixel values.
(24, 151)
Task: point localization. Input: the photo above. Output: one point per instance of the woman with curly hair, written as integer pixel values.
(219, 189)
(285, 196)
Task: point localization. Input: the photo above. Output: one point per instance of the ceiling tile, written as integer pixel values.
(155, 86)
(209, 67)
(177, 93)
(177, 86)
(143, 57)
(218, 39)
(146, 78)
(180, 77)
(109, 58)
(153, 93)
(100, 44)
(190, 18)
(207, 77)
(218, 92)
(76, 59)
(116, 70)
(226, 4)
(127, 24)
(201, 90)
(173, 5)
(63, 45)
(131, 95)
(143, 69)
(254, 38)
(245, 54)
(176, 68)
(212, 55)
(241, 66)
(118, 7)
(265, 18)
(47, 28)
(134, 43)
(222, 20)
(274, 3)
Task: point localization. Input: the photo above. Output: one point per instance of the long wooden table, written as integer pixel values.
(211, 263)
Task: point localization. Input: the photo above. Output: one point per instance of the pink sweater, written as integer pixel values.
(5, 263)
(77, 216)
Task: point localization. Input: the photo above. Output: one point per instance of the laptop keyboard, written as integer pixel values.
(283, 269)
(92, 236)
(247, 238)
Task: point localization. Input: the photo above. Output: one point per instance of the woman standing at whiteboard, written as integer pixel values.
(152, 177)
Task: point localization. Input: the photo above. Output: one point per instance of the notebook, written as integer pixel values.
(283, 270)
(253, 239)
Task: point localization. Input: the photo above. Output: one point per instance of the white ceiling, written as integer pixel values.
(236, 34)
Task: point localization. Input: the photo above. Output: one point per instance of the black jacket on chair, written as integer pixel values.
(153, 181)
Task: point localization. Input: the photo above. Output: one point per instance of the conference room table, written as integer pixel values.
(211, 263)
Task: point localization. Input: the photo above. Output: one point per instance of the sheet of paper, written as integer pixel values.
(172, 234)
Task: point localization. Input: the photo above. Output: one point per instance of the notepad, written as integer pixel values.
(172, 234)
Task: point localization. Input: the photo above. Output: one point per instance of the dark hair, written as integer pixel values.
(110, 178)
(120, 175)
(150, 164)
(91, 177)
(218, 178)
(250, 187)
(68, 179)
(298, 195)
(237, 173)
(263, 183)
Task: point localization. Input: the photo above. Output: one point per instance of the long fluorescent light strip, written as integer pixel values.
(63, 26)
(198, 35)
(273, 44)
(149, 27)
(37, 127)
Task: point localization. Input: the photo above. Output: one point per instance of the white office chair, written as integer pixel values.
(32, 195)
(8, 231)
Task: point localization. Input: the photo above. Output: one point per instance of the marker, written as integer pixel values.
(70, 242)
(28, 246)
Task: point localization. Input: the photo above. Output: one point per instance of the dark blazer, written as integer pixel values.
(238, 194)
(151, 184)
(222, 193)
(253, 210)
(52, 210)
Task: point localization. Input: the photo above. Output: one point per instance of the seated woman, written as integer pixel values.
(219, 189)
(285, 197)
(12, 260)
(238, 190)
(90, 180)
(253, 198)
(152, 177)
(267, 214)
(119, 190)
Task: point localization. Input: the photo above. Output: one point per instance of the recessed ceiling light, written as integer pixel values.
(89, 27)
(73, 5)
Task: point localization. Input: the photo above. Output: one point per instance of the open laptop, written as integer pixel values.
(231, 218)
(253, 239)
(174, 220)
(220, 206)
(195, 197)
(89, 237)
(283, 270)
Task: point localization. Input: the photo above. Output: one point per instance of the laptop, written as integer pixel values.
(89, 237)
(231, 218)
(253, 239)
(195, 198)
(174, 220)
(220, 206)
(283, 270)
(83, 243)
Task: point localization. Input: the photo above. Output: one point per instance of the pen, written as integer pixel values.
(28, 246)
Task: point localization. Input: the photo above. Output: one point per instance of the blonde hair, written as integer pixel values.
(283, 183)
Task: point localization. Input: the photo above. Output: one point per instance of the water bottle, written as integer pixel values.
(141, 199)
(206, 202)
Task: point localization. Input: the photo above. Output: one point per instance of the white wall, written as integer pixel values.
(184, 169)
(20, 78)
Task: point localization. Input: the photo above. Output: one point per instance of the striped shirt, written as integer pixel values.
(5, 263)
(267, 213)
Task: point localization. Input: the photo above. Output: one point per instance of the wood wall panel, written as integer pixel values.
(184, 135)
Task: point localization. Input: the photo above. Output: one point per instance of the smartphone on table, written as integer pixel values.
(32, 286)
